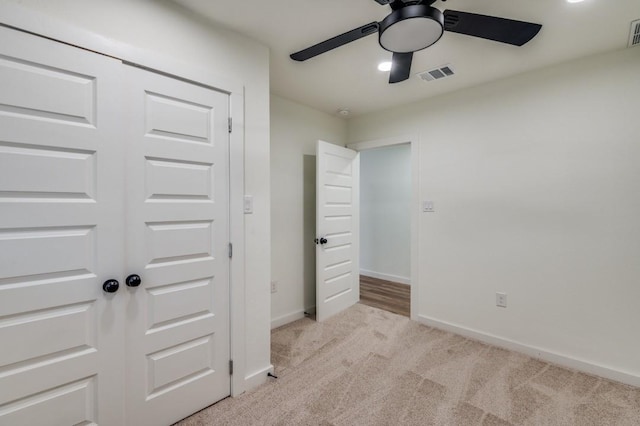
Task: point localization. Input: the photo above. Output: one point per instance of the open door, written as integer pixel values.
(337, 229)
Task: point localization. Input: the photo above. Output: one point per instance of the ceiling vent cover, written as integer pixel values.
(634, 36)
(441, 72)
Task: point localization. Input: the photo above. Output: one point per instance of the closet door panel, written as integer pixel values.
(60, 233)
(177, 238)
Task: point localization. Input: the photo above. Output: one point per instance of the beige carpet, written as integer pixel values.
(371, 367)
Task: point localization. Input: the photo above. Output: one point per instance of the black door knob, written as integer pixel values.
(323, 240)
(133, 280)
(111, 286)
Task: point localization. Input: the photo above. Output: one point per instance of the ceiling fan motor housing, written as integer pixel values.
(411, 28)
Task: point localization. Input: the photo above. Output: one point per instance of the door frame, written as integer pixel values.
(413, 141)
(37, 24)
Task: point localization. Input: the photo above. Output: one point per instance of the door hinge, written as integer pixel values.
(230, 250)
(231, 367)
(230, 124)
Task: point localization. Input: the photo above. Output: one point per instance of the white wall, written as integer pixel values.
(294, 131)
(385, 219)
(163, 28)
(536, 183)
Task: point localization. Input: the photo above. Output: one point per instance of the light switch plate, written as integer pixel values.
(248, 204)
(501, 300)
(428, 207)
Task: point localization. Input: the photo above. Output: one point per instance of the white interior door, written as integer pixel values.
(60, 234)
(337, 229)
(177, 225)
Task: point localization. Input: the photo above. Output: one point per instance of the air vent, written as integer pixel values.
(634, 36)
(441, 72)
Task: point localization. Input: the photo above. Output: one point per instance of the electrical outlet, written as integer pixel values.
(501, 300)
(274, 286)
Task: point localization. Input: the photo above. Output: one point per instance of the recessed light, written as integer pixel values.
(384, 66)
(574, 1)
(344, 112)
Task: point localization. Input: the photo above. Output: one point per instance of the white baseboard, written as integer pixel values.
(286, 319)
(387, 277)
(291, 317)
(555, 358)
(256, 379)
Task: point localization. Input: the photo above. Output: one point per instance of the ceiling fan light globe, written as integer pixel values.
(411, 28)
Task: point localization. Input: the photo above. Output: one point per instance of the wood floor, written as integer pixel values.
(387, 295)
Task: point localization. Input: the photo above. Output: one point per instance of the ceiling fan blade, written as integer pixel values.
(401, 68)
(493, 28)
(336, 41)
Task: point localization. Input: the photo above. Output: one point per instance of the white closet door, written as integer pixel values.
(60, 234)
(177, 242)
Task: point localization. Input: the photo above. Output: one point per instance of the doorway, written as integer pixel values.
(406, 148)
(338, 224)
(385, 228)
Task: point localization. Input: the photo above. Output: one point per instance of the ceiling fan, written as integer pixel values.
(415, 25)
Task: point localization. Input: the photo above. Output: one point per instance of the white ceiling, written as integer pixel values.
(348, 77)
